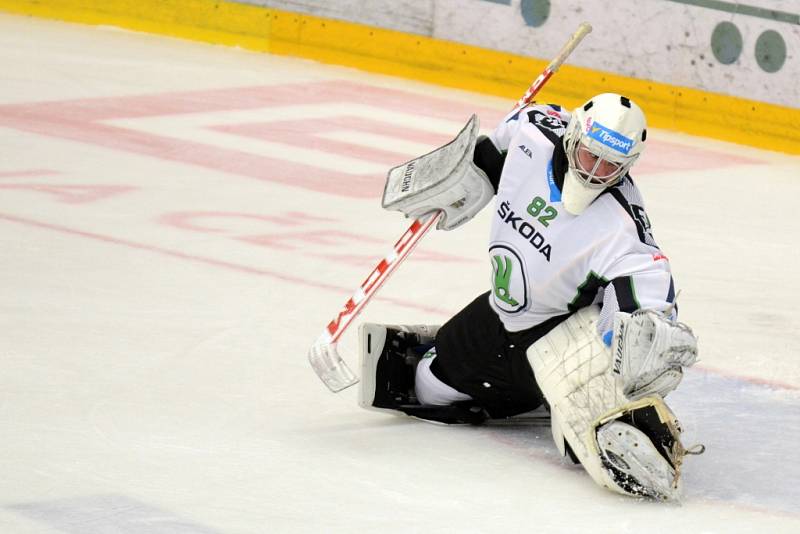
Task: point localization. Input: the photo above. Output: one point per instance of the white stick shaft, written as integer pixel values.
(574, 40)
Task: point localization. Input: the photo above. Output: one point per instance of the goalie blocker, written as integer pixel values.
(444, 180)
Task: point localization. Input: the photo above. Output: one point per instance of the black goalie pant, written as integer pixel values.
(477, 356)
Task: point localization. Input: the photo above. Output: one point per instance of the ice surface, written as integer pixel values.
(177, 228)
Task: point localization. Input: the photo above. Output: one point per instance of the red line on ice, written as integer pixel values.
(212, 261)
(28, 173)
(80, 120)
(776, 384)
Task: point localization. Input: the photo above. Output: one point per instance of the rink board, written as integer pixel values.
(417, 57)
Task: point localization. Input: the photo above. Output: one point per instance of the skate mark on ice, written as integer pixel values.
(750, 430)
(100, 514)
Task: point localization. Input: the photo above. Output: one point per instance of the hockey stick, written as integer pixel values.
(324, 357)
(323, 354)
(574, 40)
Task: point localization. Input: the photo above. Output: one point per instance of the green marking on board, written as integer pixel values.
(535, 12)
(726, 43)
(741, 9)
(770, 51)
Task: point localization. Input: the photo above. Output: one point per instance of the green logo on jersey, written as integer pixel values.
(502, 279)
(509, 280)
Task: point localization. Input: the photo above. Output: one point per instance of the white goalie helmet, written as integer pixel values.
(604, 138)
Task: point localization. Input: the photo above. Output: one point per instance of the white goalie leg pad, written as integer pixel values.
(571, 365)
(372, 340)
(574, 371)
(444, 180)
(650, 351)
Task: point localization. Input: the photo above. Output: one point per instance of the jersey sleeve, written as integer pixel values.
(509, 126)
(637, 281)
(639, 275)
(490, 151)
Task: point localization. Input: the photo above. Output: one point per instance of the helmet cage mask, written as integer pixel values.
(596, 165)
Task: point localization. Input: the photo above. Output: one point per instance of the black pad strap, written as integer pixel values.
(460, 413)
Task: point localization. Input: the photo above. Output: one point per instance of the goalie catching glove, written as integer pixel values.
(631, 446)
(444, 180)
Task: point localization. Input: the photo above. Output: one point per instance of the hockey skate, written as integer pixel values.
(389, 357)
(641, 450)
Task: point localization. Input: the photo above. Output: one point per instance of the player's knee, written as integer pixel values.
(430, 390)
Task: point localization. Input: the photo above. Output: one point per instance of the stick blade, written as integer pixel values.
(330, 367)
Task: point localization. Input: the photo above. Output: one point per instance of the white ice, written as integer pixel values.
(157, 304)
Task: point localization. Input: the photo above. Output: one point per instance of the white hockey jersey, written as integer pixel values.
(547, 262)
